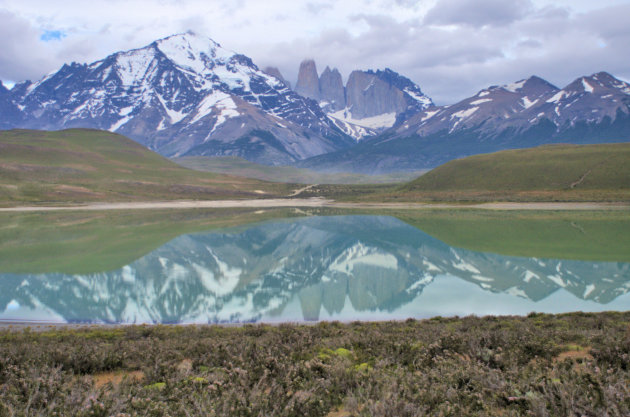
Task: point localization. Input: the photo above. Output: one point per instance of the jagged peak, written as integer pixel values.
(188, 37)
(534, 82)
(183, 48)
(599, 80)
(606, 80)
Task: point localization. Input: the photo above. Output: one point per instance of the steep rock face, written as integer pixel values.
(370, 102)
(308, 81)
(377, 100)
(275, 72)
(331, 90)
(178, 94)
(368, 96)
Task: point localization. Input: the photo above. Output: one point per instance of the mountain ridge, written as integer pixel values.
(175, 94)
(524, 114)
(185, 95)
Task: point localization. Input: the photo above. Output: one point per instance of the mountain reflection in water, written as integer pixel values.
(343, 267)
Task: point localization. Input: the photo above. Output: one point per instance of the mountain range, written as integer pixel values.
(185, 95)
(181, 95)
(527, 113)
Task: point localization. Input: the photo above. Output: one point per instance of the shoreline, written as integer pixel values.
(319, 203)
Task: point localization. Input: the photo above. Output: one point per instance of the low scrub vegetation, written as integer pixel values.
(540, 365)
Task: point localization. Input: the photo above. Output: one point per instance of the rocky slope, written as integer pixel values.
(180, 95)
(530, 112)
(275, 72)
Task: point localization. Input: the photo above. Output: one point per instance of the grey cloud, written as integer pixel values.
(418, 52)
(609, 23)
(21, 56)
(316, 8)
(459, 48)
(452, 63)
(477, 12)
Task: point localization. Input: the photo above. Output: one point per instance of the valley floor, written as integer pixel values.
(320, 202)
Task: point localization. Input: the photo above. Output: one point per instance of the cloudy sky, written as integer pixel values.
(451, 48)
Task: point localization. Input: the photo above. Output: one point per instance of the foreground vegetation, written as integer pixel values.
(83, 165)
(540, 365)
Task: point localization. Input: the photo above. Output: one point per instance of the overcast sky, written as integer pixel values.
(451, 48)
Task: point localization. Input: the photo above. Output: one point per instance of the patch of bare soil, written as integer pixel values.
(116, 377)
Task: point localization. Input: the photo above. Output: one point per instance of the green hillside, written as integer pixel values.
(238, 166)
(553, 172)
(82, 165)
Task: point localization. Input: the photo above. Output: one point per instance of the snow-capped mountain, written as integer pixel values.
(325, 265)
(371, 101)
(489, 109)
(524, 103)
(180, 95)
(527, 113)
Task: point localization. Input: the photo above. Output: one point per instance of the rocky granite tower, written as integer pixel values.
(369, 96)
(308, 81)
(331, 90)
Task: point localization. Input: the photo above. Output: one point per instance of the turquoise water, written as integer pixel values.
(316, 268)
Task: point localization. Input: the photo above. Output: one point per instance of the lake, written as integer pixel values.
(287, 267)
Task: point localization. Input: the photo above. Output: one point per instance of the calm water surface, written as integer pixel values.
(315, 268)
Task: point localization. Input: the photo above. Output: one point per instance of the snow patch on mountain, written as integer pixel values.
(557, 97)
(420, 98)
(216, 99)
(374, 122)
(514, 87)
(587, 87)
(429, 115)
(462, 114)
(527, 103)
(481, 101)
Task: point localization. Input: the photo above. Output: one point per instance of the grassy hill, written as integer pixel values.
(553, 172)
(82, 165)
(238, 166)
